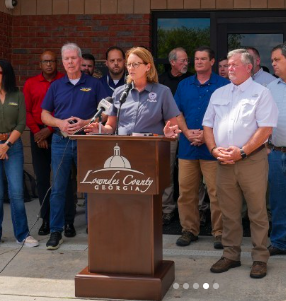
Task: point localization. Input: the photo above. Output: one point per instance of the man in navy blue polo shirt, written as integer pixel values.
(115, 63)
(73, 99)
(192, 97)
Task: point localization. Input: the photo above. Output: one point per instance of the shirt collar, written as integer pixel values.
(280, 81)
(43, 79)
(242, 87)
(148, 87)
(257, 73)
(81, 80)
(194, 80)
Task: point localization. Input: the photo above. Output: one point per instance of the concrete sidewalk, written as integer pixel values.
(40, 275)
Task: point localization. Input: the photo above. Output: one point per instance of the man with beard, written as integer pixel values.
(238, 121)
(87, 64)
(179, 62)
(115, 62)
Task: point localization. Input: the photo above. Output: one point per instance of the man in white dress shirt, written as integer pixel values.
(238, 121)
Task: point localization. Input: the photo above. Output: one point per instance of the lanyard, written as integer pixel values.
(107, 81)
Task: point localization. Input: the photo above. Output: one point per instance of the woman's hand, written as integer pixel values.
(93, 128)
(3, 151)
(171, 131)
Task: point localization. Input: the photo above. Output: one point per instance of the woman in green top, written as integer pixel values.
(12, 124)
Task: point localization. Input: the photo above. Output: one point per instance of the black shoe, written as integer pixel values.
(70, 230)
(275, 251)
(45, 229)
(167, 218)
(55, 241)
(186, 238)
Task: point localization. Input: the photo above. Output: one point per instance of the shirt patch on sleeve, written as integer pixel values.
(11, 103)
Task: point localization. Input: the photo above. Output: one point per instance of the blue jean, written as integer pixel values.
(277, 198)
(64, 151)
(14, 172)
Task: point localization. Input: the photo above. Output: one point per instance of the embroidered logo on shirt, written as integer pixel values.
(152, 97)
(85, 89)
(13, 103)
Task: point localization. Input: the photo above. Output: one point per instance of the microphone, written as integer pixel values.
(125, 93)
(104, 105)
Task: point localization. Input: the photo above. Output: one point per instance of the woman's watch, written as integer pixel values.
(8, 143)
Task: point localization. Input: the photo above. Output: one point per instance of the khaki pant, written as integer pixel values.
(190, 177)
(248, 176)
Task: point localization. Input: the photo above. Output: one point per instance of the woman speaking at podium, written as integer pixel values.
(144, 106)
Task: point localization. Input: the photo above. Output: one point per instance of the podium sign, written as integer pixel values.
(124, 178)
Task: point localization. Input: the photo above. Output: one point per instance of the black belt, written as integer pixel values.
(261, 147)
(59, 133)
(278, 148)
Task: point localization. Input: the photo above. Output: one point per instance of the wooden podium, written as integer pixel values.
(124, 177)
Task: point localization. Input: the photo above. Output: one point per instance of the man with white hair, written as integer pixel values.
(179, 62)
(73, 99)
(238, 121)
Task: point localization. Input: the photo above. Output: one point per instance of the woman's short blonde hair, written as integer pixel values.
(146, 56)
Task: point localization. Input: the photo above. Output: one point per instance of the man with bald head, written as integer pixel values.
(35, 90)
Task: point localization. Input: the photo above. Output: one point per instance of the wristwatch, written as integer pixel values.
(243, 154)
(8, 143)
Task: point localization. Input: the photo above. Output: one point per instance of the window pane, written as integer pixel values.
(262, 42)
(188, 33)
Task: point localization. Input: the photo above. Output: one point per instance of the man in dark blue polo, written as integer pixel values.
(115, 63)
(73, 99)
(192, 97)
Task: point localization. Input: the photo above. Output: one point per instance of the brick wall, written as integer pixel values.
(5, 35)
(60, 7)
(31, 35)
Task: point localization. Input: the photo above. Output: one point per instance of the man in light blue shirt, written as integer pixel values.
(259, 75)
(277, 157)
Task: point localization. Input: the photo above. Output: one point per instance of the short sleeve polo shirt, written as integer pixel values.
(145, 111)
(192, 99)
(80, 100)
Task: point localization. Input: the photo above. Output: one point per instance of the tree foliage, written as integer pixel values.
(188, 38)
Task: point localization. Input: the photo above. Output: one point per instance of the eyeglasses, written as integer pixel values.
(46, 62)
(135, 65)
(184, 61)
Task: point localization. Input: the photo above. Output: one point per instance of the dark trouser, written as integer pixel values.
(41, 159)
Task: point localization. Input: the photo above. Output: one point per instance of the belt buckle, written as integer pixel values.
(4, 136)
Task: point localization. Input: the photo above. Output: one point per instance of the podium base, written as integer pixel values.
(96, 285)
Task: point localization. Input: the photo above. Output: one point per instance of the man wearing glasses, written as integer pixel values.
(35, 90)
